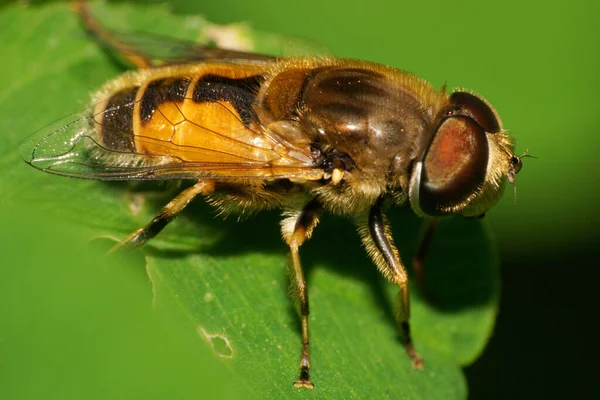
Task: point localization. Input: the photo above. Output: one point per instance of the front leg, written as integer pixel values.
(421, 254)
(377, 239)
(295, 230)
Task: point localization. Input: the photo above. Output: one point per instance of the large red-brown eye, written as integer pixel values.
(454, 166)
(478, 109)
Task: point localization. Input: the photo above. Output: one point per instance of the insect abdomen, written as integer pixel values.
(189, 112)
(114, 123)
(239, 92)
(159, 91)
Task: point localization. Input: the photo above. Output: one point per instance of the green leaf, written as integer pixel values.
(225, 279)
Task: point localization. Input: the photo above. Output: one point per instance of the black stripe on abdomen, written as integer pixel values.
(162, 91)
(240, 93)
(117, 122)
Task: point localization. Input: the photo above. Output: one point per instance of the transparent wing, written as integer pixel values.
(161, 50)
(147, 50)
(181, 141)
(293, 46)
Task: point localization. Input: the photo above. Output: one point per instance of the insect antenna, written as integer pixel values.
(515, 166)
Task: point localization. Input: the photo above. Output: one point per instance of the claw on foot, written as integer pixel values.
(126, 243)
(304, 378)
(300, 383)
(417, 360)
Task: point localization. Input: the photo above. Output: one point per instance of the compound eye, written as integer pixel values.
(454, 166)
(477, 108)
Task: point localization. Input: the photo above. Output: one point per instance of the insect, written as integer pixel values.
(306, 135)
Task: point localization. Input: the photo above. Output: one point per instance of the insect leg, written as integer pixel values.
(166, 215)
(295, 230)
(419, 258)
(106, 37)
(377, 238)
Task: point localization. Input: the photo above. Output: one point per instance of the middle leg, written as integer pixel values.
(295, 230)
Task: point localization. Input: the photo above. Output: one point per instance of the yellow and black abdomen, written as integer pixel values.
(197, 113)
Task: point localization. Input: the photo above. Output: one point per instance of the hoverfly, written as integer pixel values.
(306, 135)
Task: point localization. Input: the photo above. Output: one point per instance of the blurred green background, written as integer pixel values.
(537, 63)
